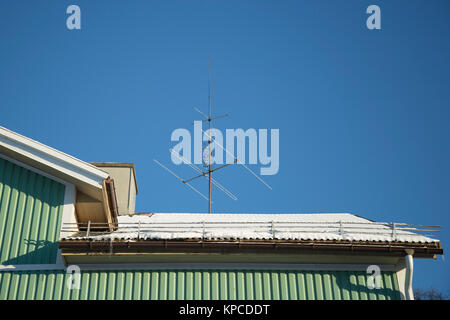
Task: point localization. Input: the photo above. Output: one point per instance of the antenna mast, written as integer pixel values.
(209, 139)
(207, 164)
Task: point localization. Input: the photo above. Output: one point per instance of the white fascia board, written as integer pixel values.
(201, 266)
(57, 160)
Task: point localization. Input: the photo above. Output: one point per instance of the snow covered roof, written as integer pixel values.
(325, 226)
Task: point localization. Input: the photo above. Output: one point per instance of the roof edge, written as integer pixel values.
(34, 152)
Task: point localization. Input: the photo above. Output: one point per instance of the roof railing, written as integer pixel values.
(207, 228)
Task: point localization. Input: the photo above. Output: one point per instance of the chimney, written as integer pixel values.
(124, 177)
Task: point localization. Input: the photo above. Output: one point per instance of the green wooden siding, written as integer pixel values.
(30, 216)
(197, 285)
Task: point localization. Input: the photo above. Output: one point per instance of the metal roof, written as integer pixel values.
(330, 226)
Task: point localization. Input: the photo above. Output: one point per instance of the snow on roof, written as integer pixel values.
(324, 226)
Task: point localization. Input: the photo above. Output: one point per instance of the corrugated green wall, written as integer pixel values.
(30, 215)
(197, 285)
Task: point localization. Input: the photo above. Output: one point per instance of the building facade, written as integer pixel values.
(68, 230)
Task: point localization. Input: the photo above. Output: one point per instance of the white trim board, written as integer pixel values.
(204, 266)
(36, 154)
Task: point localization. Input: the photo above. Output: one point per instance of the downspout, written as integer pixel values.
(409, 274)
(112, 200)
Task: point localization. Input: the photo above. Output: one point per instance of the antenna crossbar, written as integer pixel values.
(236, 160)
(176, 176)
(204, 174)
(207, 162)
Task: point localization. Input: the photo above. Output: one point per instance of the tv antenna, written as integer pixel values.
(207, 155)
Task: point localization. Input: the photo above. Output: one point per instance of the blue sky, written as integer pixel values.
(363, 114)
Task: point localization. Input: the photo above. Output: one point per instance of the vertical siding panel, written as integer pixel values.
(309, 284)
(9, 212)
(111, 285)
(120, 288)
(172, 286)
(301, 287)
(33, 235)
(83, 294)
(128, 289)
(292, 283)
(26, 247)
(318, 285)
(41, 252)
(180, 293)
(223, 286)
(275, 285)
(362, 286)
(93, 285)
(154, 293)
(102, 285)
(198, 286)
(137, 285)
(3, 192)
(66, 294)
(240, 286)
(163, 281)
(4, 285)
(4, 204)
(2, 172)
(336, 287)
(353, 286)
(327, 286)
(206, 282)
(73, 294)
(344, 283)
(388, 285)
(16, 225)
(267, 286)
(249, 289)
(23, 284)
(56, 208)
(189, 286)
(396, 294)
(13, 285)
(41, 284)
(214, 285)
(59, 282)
(381, 293)
(31, 287)
(259, 295)
(180, 285)
(26, 224)
(146, 285)
(284, 289)
(232, 285)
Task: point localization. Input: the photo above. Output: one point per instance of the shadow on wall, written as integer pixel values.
(359, 290)
(38, 250)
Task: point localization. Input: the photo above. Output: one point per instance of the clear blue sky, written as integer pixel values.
(363, 115)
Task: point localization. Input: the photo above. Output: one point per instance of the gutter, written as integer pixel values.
(77, 246)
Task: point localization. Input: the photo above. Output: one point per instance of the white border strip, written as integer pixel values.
(202, 266)
(56, 159)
